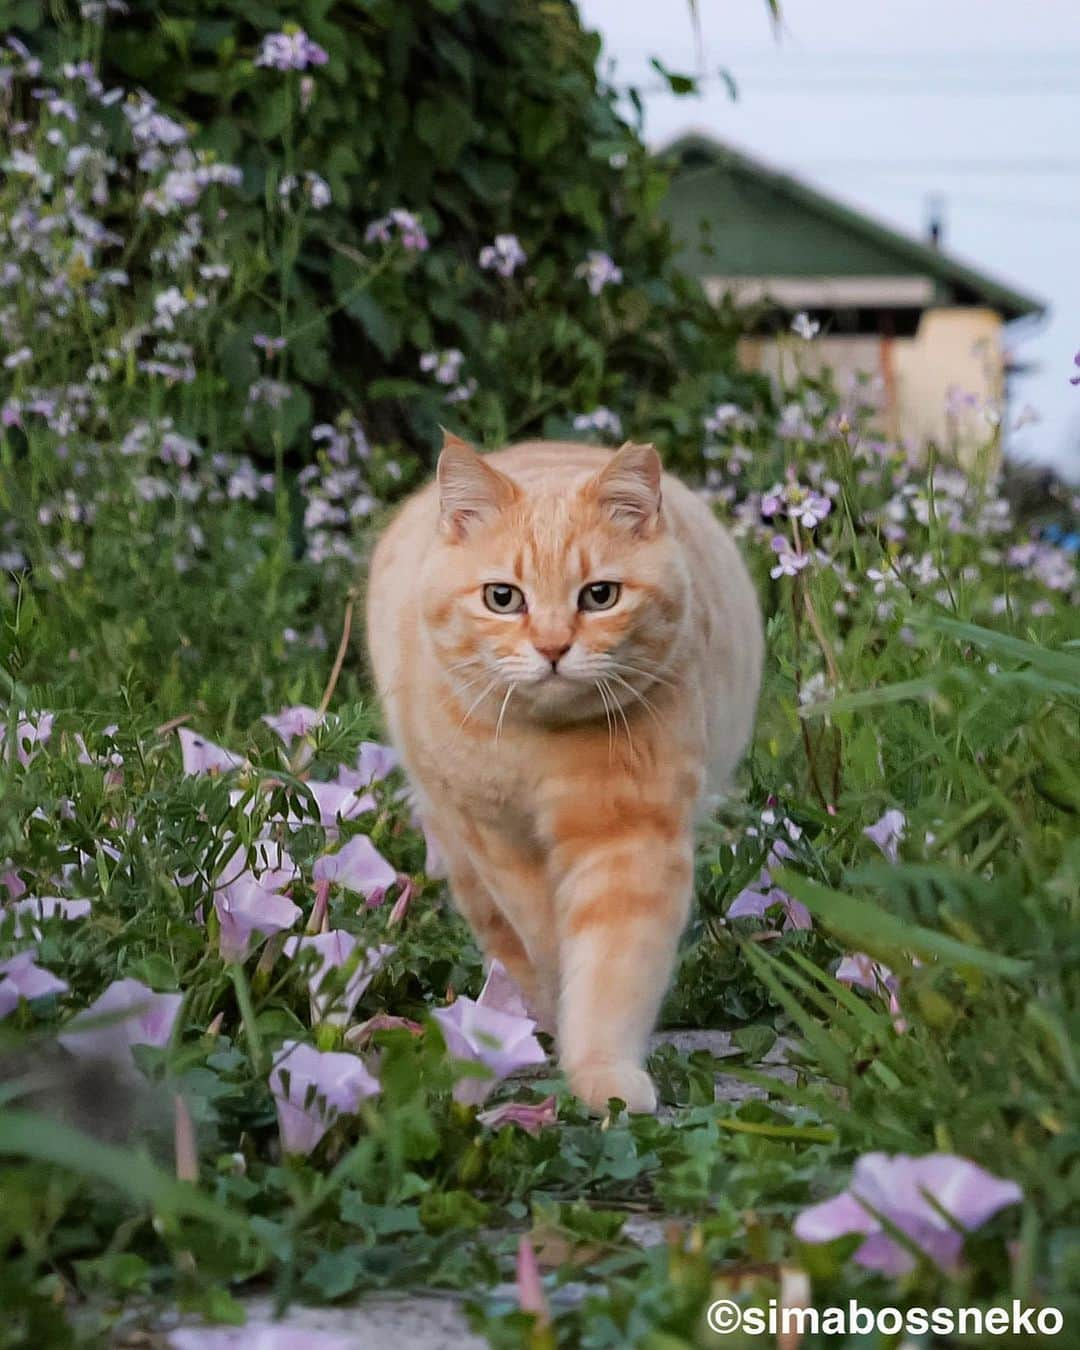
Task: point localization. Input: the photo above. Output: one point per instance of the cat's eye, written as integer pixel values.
(503, 599)
(599, 595)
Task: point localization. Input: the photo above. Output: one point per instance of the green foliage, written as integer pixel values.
(486, 117)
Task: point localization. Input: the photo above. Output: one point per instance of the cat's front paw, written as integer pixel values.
(596, 1083)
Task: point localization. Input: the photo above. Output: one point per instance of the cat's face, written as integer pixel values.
(552, 605)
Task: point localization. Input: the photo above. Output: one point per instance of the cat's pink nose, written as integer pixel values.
(553, 652)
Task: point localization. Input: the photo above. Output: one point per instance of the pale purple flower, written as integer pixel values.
(463, 392)
(502, 992)
(374, 762)
(901, 1189)
(888, 832)
(17, 358)
(788, 562)
(318, 191)
(289, 723)
(599, 271)
(34, 909)
(363, 1032)
(504, 256)
(202, 756)
(358, 866)
(436, 864)
(811, 510)
(337, 802)
(772, 502)
(128, 1014)
(444, 365)
(531, 1118)
(863, 972)
(32, 730)
(335, 949)
(754, 903)
(270, 345)
(311, 1088)
(290, 51)
(249, 905)
(408, 226)
(502, 1042)
(603, 420)
(266, 856)
(12, 883)
(21, 978)
(529, 1283)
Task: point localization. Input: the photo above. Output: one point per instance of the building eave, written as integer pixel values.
(920, 257)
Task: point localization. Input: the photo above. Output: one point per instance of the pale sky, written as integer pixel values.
(883, 104)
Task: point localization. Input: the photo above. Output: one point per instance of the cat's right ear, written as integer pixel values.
(470, 490)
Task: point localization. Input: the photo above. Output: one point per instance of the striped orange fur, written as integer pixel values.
(561, 749)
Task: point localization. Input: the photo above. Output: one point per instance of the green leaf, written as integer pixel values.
(875, 930)
(26, 1134)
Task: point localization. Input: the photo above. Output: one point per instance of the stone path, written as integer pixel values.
(417, 1322)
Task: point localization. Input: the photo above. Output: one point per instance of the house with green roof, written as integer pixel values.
(925, 328)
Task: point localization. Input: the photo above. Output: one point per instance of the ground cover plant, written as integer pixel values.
(244, 1043)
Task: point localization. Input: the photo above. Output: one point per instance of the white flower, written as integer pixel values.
(805, 327)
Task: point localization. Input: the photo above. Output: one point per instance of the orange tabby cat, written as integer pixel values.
(568, 649)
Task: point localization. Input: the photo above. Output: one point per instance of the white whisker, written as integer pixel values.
(476, 702)
(640, 698)
(599, 686)
(502, 710)
(641, 670)
(622, 713)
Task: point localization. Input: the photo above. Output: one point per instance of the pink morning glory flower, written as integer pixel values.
(888, 832)
(292, 722)
(248, 905)
(864, 972)
(435, 864)
(312, 1088)
(21, 978)
(529, 1283)
(531, 1118)
(755, 903)
(383, 1021)
(357, 865)
(39, 907)
(337, 802)
(128, 1014)
(374, 763)
(12, 883)
(502, 992)
(901, 1188)
(502, 1042)
(30, 732)
(333, 950)
(202, 756)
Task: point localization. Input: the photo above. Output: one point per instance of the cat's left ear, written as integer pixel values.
(628, 487)
(470, 490)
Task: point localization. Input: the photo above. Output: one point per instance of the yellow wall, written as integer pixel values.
(957, 348)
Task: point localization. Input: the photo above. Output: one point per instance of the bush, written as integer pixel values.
(485, 120)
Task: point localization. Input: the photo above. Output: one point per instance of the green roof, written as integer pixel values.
(765, 223)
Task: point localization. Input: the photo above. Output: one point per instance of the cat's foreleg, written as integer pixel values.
(622, 904)
(500, 940)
